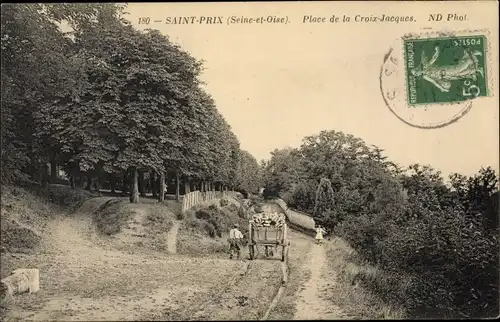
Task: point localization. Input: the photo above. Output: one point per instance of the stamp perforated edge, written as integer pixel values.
(453, 33)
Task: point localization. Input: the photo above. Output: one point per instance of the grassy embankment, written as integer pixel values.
(26, 210)
(352, 276)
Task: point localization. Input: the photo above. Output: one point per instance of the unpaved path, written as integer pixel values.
(172, 237)
(311, 303)
(83, 278)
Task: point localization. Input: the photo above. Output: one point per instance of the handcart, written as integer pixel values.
(268, 230)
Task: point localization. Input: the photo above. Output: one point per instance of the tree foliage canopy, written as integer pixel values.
(444, 235)
(105, 97)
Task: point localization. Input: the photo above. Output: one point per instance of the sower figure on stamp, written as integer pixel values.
(235, 241)
(441, 76)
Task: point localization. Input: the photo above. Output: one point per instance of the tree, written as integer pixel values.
(280, 173)
(32, 63)
(134, 107)
(39, 72)
(248, 173)
(324, 204)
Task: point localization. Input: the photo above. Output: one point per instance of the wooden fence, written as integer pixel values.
(197, 197)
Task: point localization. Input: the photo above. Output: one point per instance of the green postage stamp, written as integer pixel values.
(445, 69)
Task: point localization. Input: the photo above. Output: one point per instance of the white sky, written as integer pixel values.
(275, 84)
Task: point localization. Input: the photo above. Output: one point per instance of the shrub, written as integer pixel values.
(224, 202)
(301, 197)
(217, 221)
(448, 252)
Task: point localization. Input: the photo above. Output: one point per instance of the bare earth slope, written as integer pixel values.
(83, 278)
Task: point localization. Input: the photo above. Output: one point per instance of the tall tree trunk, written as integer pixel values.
(142, 183)
(43, 172)
(73, 174)
(53, 170)
(112, 182)
(161, 193)
(125, 183)
(177, 187)
(134, 192)
(153, 182)
(89, 182)
(98, 180)
(96, 183)
(72, 182)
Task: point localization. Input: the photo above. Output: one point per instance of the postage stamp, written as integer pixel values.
(445, 69)
(430, 79)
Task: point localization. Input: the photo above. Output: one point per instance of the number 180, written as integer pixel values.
(144, 20)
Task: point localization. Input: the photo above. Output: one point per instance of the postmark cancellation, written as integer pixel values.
(429, 80)
(445, 69)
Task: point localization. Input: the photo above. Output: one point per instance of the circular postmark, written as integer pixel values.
(430, 80)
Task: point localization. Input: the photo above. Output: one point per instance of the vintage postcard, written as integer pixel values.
(302, 160)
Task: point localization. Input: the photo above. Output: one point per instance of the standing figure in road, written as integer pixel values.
(235, 242)
(319, 234)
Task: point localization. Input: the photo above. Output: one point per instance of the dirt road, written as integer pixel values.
(84, 278)
(311, 303)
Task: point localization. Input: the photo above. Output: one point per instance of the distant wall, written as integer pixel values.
(298, 220)
(197, 197)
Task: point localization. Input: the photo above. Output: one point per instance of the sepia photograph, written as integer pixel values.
(279, 160)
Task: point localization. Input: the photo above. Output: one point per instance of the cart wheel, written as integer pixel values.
(251, 251)
(284, 253)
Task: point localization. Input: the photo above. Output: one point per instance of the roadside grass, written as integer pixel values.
(349, 290)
